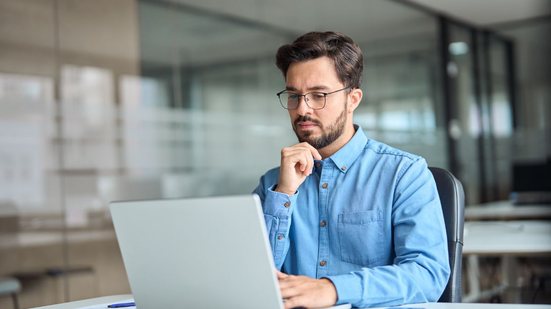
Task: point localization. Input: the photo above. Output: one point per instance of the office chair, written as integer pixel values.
(452, 198)
(10, 286)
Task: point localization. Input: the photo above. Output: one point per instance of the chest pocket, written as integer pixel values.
(361, 238)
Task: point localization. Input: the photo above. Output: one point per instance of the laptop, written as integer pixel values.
(197, 253)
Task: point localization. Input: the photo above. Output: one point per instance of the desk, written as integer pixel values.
(115, 298)
(471, 306)
(505, 239)
(498, 238)
(89, 302)
(505, 210)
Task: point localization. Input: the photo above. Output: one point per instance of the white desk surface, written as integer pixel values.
(89, 302)
(505, 210)
(470, 306)
(498, 238)
(116, 298)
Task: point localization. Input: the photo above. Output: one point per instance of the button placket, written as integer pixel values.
(327, 176)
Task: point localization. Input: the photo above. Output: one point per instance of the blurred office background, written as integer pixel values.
(130, 99)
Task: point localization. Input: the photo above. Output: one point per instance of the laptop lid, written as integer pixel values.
(197, 253)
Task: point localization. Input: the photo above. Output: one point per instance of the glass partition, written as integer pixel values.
(223, 85)
(31, 216)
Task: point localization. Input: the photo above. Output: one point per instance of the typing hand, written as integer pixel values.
(297, 162)
(301, 291)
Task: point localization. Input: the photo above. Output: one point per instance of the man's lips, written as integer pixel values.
(306, 125)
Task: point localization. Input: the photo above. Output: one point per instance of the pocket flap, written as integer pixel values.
(360, 218)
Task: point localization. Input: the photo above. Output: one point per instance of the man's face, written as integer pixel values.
(320, 127)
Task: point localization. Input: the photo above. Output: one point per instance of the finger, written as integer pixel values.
(309, 163)
(314, 152)
(307, 159)
(302, 161)
(296, 156)
(293, 302)
(305, 162)
(281, 275)
(287, 282)
(288, 289)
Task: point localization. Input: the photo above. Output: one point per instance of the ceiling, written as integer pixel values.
(289, 14)
(373, 18)
(209, 31)
(489, 12)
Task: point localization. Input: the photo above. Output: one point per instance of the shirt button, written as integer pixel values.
(323, 263)
(318, 164)
(280, 237)
(324, 185)
(323, 223)
(343, 168)
(287, 204)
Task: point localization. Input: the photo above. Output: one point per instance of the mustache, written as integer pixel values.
(306, 118)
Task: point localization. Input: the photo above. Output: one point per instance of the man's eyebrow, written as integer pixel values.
(314, 88)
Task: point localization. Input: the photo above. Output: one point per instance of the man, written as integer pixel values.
(350, 220)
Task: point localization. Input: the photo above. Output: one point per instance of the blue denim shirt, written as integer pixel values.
(369, 219)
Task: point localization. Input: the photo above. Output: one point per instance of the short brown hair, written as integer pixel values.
(346, 54)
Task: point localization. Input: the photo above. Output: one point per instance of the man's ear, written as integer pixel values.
(355, 96)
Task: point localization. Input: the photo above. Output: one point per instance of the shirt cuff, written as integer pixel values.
(278, 204)
(349, 288)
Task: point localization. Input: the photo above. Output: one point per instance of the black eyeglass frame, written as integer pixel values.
(325, 94)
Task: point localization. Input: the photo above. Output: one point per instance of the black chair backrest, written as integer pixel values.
(452, 198)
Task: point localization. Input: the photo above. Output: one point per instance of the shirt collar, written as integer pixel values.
(345, 156)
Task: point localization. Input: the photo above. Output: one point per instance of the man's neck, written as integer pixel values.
(330, 149)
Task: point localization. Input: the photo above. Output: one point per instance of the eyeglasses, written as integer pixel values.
(314, 100)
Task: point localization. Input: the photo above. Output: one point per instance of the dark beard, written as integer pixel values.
(334, 131)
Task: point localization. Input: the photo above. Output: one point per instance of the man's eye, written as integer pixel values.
(318, 95)
(293, 96)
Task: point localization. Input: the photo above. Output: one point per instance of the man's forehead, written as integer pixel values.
(315, 74)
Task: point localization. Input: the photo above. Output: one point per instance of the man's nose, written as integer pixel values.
(302, 107)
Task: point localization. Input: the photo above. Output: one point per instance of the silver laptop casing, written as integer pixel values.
(197, 253)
